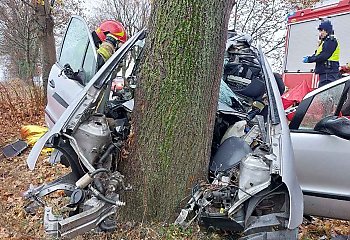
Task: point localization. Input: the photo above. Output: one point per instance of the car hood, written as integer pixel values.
(89, 96)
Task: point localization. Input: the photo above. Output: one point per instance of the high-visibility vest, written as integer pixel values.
(335, 55)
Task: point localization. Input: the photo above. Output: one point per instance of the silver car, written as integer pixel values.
(74, 110)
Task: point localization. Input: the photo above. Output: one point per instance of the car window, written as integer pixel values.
(323, 104)
(89, 65)
(74, 44)
(345, 110)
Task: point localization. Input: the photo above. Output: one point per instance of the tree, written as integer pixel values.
(19, 38)
(175, 105)
(44, 12)
(266, 22)
(45, 21)
(28, 30)
(133, 14)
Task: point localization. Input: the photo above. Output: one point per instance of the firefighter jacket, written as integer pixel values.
(326, 56)
(104, 52)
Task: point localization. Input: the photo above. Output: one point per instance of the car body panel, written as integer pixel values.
(283, 151)
(322, 160)
(61, 90)
(326, 207)
(59, 97)
(83, 100)
(317, 167)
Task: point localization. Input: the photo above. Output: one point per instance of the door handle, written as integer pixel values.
(52, 83)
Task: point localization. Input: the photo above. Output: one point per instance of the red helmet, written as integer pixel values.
(113, 27)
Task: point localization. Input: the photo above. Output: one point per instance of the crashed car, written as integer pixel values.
(253, 186)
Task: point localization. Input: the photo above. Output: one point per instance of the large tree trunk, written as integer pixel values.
(48, 48)
(175, 105)
(47, 40)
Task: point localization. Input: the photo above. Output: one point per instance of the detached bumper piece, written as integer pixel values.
(14, 149)
(80, 223)
(93, 214)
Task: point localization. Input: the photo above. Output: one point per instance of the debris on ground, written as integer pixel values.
(14, 149)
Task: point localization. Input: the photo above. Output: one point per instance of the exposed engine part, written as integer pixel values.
(219, 205)
(106, 155)
(252, 135)
(75, 146)
(262, 128)
(84, 181)
(94, 211)
(235, 130)
(253, 172)
(102, 197)
(51, 222)
(225, 158)
(77, 197)
(92, 136)
(254, 177)
(34, 194)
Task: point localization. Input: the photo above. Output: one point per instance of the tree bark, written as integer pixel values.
(47, 40)
(48, 57)
(175, 105)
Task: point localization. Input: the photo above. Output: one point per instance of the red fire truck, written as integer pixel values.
(302, 40)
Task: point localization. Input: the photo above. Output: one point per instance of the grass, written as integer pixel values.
(20, 103)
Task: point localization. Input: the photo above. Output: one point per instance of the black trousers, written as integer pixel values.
(326, 78)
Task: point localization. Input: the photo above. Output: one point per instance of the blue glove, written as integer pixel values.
(305, 59)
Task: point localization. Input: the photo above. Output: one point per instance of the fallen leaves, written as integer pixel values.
(19, 108)
(323, 228)
(20, 104)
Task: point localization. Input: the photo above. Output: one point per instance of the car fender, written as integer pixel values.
(283, 156)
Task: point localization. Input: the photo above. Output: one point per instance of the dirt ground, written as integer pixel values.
(20, 107)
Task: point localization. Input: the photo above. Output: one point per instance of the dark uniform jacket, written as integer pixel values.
(325, 56)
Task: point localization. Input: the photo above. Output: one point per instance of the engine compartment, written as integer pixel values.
(242, 188)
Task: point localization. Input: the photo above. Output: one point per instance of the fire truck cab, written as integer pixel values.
(302, 40)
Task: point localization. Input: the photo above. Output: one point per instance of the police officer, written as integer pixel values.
(327, 55)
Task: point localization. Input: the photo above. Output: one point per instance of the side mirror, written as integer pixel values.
(334, 125)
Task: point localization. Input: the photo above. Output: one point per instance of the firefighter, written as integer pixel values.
(108, 37)
(326, 56)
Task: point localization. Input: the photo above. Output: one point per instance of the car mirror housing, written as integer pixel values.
(334, 125)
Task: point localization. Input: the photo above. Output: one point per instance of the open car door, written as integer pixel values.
(321, 143)
(77, 50)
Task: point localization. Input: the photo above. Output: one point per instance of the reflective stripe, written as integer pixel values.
(106, 50)
(104, 53)
(336, 54)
